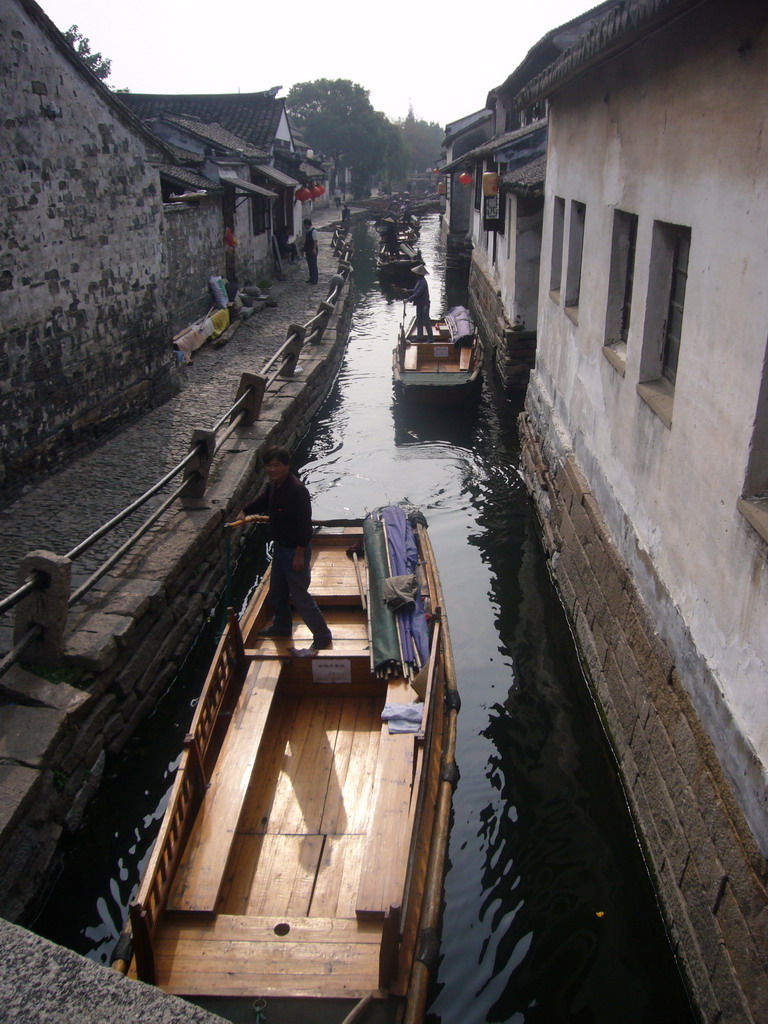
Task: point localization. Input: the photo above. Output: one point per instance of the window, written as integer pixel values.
(575, 252)
(753, 503)
(558, 223)
(676, 302)
(260, 208)
(662, 331)
(620, 283)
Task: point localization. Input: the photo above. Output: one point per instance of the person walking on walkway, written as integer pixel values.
(287, 503)
(419, 296)
(310, 250)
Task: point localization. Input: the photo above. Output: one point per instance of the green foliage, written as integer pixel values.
(99, 65)
(55, 673)
(336, 118)
(423, 141)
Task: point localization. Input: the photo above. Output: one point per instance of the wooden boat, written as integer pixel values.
(446, 367)
(301, 857)
(398, 266)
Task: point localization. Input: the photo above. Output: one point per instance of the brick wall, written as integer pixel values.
(708, 870)
(84, 340)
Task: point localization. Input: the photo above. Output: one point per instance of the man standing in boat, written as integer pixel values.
(287, 503)
(419, 296)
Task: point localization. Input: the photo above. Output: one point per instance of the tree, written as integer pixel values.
(336, 118)
(100, 66)
(423, 140)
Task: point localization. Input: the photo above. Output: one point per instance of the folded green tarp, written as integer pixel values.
(386, 649)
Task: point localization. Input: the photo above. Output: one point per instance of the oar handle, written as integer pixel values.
(248, 519)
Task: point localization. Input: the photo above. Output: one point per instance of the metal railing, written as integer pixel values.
(196, 463)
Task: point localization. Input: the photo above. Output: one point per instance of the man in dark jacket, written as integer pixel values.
(287, 503)
(310, 250)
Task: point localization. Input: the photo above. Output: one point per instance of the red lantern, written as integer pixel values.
(303, 194)
(465, 178)
(322, 189)
(315, 191)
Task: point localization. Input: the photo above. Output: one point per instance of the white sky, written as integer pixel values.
(441, 58)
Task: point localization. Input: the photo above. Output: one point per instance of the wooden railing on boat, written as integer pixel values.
(189, 788)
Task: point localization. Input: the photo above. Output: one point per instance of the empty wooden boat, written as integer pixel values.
(299, 865)
(447, 366)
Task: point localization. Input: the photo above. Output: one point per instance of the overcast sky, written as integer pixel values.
(404, 53)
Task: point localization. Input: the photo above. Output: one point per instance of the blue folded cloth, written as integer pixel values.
(403, 717)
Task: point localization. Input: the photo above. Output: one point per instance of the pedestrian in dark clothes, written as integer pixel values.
(287, 503)
(310, 250)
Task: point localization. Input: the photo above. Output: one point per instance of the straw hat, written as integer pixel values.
(421, 270)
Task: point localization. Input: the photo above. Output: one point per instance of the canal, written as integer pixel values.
(549, 912)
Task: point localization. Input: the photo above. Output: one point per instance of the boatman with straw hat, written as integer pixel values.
(419, 296)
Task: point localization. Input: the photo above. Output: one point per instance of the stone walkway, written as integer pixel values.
(59, 512)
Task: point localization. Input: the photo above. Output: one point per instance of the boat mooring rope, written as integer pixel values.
(259, 1005)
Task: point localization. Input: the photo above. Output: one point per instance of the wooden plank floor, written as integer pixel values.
(244, 956)
(296, 859)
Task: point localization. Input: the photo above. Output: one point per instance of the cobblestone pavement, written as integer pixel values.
(59, 512)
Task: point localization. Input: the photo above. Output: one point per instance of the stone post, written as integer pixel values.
(47, 607)
(291, 354)
(196, 472)
(253, 385)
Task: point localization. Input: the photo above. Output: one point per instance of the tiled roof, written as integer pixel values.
(527, 180)
(254, 116)
(218, 134)
(183, 155)
(189, 178)
(624, 24)
(496, 144)
(549, 48)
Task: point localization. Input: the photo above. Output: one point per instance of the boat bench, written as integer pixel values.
(420, 353)
(385, 854)
(465, 358)
(203, 864)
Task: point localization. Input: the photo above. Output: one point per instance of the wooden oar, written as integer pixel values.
(363, 598)
(248, 519)
(245, 520)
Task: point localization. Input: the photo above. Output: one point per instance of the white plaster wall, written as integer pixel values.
(673, 131)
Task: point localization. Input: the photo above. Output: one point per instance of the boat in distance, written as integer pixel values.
(299, 866)
(446, 366)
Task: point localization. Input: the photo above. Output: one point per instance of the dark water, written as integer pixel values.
(549, 913)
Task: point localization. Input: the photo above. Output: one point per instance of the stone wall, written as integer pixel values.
(194, 252)
(124, 643)
(84, 340)
(514, 352)
(707, 867)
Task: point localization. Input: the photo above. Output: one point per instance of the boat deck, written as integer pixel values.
(301, 842)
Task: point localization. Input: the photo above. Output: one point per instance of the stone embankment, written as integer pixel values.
(708, 870)
(123, 643)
